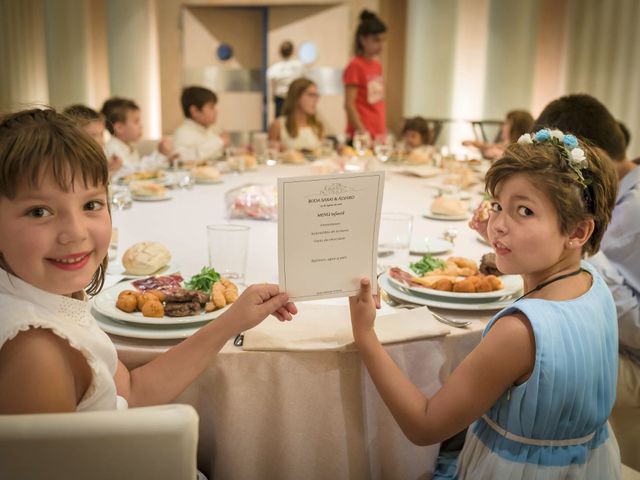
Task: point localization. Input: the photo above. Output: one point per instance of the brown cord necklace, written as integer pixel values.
(547, 282)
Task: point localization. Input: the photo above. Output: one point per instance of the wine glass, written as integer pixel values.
(361, 142)
(120, 201)
(383, 147)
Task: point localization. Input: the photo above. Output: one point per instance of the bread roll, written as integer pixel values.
(147, 189)
(206, 174)
(448, 206)
(145, 258)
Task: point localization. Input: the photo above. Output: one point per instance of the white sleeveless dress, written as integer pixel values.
(306, 139)
(24, 306)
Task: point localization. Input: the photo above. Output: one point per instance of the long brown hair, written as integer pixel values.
(521, 122)
(38, 141)
(296, 89)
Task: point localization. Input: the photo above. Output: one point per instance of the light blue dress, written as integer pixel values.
(554, 425)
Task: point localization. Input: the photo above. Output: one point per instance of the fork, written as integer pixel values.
(406, 305)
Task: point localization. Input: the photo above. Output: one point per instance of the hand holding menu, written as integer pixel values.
(328, 233)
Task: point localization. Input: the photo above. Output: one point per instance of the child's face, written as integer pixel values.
(524, 228)
(95, 129)
(308, 101)
(412, 138)
(372, 44)
(129, 131)
(205, 116)
(55, 240)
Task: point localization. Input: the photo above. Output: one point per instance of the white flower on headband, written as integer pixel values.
(526, 138)
(578, 158)
(557, 134)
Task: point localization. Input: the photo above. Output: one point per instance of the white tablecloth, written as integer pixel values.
(292, 415)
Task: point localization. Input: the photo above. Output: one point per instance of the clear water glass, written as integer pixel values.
(361, 142)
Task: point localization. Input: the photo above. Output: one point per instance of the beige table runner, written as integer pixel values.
(328, 327)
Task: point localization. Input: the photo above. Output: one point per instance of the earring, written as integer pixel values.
(570, 243)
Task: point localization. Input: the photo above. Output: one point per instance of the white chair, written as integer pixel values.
(141, 443)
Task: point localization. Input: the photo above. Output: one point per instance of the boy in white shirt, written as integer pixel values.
(282, 73)
(195, 140)
(93, 123)
(125, 125)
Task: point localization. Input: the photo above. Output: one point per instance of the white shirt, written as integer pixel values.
(283, 73)
(619, 261)
(25, 306)
(306, 139)
(131, 161)
(192, 142)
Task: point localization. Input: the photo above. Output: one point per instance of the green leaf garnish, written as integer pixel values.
(426, 264)
(203, 281)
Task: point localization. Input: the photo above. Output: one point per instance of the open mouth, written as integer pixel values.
(501, 248)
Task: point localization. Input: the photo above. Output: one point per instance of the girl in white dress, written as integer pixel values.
(299, 128)
(56, 227)
(538, 389)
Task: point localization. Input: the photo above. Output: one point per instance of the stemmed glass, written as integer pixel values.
(361, 142)
(120, 201)
(383, 147)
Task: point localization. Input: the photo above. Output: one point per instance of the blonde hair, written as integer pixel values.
(296, 89)
(42, 141)
(548, 168)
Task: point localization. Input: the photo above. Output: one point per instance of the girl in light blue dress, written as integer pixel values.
(538, 389)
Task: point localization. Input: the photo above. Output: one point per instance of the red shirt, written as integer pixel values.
(367, 76)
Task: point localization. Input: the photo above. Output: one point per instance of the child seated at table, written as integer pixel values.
(93, 123)
(516, 123)
(299, 127)
(125, 126)
(538, 389)
(416, 133)
(56, 227)
(195, 140)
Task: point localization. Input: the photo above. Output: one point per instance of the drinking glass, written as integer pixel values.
(395, 237)
(120, 201)
(273, 153)
(228, 246)
(383, 147)
(235, 159)
(361, 142)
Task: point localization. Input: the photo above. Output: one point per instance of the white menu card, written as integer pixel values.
(328, 233)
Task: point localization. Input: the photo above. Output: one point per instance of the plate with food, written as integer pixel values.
(168, 299)
(206, 175)
(133, 330)
(427, 245)
(455, 278)
(405, 296)
(156, 176)
(448, 208)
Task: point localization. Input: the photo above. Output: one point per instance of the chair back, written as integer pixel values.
(140, 443)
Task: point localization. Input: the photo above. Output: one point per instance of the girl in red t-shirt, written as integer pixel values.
(364, 86)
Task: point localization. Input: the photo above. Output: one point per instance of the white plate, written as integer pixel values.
(105, 303)
(144, 331)
(150, 198)
(385, 284)
(116, 268)
(208, 181)
(437, 216)
(430, 245)
(512, 284)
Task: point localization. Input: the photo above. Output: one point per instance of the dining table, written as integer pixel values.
(314, 413)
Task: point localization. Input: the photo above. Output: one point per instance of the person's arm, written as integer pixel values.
(165, 377)
(274, 131)
(506, 354)
(350, 95)
(41, 373)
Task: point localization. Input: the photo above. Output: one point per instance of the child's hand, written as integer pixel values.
(363, 309)
(258, 302)
(165, 146)
(480, 219)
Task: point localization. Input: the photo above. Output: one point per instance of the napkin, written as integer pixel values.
(328, 327)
